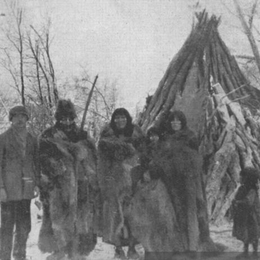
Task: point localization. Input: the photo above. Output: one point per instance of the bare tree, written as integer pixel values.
(16, 40)
(248, 28)
(43, 59)
(27, 59)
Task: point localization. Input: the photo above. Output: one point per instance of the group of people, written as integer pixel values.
(128, 188)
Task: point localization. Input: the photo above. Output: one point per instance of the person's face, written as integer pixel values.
(120, 121)
(66, 122)
(19, 120)
(176, 124)
(154, 138)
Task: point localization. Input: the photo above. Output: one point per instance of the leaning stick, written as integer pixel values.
(87, 104)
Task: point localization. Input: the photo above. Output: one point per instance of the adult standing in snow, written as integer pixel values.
(69, 189)
(182, 166)
(174, 161)
(19, 177)
(118, 148)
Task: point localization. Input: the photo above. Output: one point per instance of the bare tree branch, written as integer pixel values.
(19, 22)
(248, 33)
(46, 46)
(247, 57)
(252, 15)
(36, 57)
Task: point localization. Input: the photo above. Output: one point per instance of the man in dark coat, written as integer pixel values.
(69, 189)
(19, 178)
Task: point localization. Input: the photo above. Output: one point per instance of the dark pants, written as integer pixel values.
(15, 214)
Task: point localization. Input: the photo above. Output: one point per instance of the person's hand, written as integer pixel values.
(60, 135)
(3, 196)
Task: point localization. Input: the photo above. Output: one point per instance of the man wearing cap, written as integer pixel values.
(68, 187)
(19, 177)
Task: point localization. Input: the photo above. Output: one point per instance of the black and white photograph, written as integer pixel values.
(129, 129)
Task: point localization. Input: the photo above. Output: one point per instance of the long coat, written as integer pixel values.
(246, 215)
(70, 195)
(116, 158)
(178, 164)
(19, 173)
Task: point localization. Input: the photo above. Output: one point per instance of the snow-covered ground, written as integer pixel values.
(103, 251)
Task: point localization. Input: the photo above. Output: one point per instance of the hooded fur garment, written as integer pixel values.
(116, 158)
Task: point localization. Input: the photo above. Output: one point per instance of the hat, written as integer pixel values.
(18, 110)
(65, 108)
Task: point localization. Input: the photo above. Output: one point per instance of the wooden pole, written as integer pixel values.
(87, 104)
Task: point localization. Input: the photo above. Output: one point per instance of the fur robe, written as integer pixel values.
(116, 157)
(167, 214)
(69, 202)
(152, 218)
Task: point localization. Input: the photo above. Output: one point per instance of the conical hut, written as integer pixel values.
(205, 82)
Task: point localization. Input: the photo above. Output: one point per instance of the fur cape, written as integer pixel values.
(69, 203)
(182, 169)
(116, 158)
(152, 218)
(166, 214)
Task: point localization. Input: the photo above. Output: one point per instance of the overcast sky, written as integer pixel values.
(131, 41)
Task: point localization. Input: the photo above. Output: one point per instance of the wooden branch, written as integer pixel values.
(52, 72)
(19, 22)
(38, 74)
(252, 15)
(246, 57)
(46, 46)
(4, 106)
(87, 104)
(249, 34)
(103, 98)
(42, 69)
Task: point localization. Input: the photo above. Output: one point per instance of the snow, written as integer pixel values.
(221, 234)
(102, 251)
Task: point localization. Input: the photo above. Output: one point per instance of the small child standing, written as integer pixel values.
(246, 207)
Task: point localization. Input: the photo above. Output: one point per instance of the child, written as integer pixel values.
(247, 210)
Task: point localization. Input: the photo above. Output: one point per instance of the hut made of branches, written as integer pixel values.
(205, 82)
